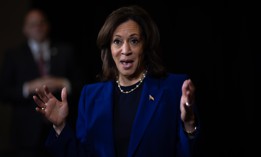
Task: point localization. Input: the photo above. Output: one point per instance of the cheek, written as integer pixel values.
(139, 53)
(140, 57)
(114, 52)
(114, 55)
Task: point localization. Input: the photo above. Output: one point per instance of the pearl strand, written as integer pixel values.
(137, 86)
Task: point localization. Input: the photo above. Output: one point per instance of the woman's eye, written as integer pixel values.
(134, 41)
(117, 42)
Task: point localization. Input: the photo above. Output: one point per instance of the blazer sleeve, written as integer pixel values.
(66, 144)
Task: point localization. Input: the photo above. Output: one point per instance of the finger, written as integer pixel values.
(44, 94)
(187, 104)
(192, 89)
(41, 110)
(188, 100)
(39, 102)
(188, 86)
(64, 94)
(184, 87)
(40, 94)
(41, 107)
(191, 86)
(47, 92)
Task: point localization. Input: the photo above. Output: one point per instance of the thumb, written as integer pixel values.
(64, 94)
(184, 87)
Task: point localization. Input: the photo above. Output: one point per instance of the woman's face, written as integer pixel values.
(127, 48)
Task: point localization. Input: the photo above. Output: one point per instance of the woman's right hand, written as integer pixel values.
(53, 109)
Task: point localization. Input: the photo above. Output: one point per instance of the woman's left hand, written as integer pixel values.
(187, 103)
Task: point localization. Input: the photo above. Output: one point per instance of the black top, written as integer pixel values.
(125, 107)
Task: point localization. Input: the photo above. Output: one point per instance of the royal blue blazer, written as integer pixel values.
(157, 129)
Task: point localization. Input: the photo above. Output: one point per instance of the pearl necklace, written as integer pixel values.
(137, 86)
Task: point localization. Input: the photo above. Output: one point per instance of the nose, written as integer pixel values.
(126, 49)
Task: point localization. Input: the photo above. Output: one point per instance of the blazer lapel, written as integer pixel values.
(148, 104)
(105, 107)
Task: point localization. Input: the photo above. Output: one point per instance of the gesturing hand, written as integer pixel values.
(53, 109)
(187, 103)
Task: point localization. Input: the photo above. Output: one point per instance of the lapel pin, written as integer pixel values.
(151, 98)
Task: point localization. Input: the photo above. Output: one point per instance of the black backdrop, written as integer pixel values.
(210, 42)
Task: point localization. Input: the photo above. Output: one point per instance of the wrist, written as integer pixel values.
(58, 128)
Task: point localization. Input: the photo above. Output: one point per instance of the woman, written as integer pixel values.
(138, 109)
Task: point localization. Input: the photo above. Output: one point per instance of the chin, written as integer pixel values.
(127, 72)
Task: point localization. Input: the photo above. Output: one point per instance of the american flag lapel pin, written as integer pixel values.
(151, 98)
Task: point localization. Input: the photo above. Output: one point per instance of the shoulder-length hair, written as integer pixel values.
(150, 36)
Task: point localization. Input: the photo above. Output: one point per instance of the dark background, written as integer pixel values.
(210, 41)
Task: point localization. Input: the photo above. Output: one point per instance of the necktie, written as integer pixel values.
(42, 64)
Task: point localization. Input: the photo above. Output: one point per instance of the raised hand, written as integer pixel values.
(187, 102)
(53, 109)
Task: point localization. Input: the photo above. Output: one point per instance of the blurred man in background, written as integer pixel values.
(37, 61)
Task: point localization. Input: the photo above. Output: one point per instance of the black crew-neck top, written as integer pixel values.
(124, 111)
